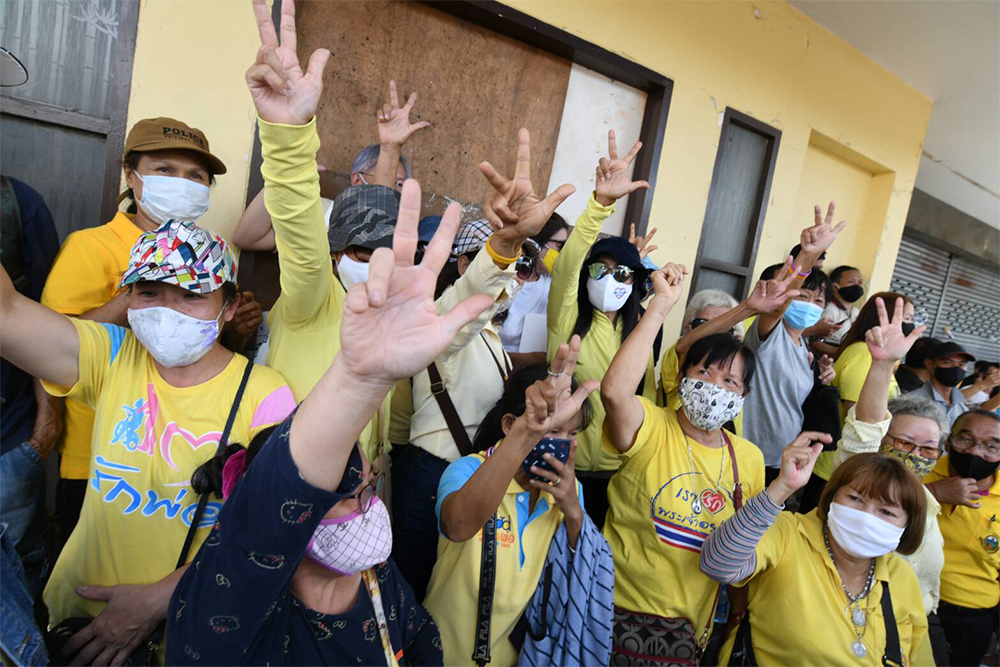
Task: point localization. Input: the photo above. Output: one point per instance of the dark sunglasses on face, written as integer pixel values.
(620, 273)
(525, 266)
(698, 321)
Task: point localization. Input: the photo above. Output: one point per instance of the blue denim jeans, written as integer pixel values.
(415, 477)
(22, 508)
(20, 639)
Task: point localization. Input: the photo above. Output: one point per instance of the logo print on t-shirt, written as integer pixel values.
(683, 515)
(713, 501)
(294, 512)
(267, 561)
(224, 624)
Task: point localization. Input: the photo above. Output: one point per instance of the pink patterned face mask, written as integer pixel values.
(353, 543)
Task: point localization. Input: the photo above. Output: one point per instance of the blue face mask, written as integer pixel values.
(802, 314)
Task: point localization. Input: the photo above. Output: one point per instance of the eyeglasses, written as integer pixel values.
(556, 245)
(698, 321)
(904, 445)
(965, 443)
(367, 495)
(399, 183)
(620, 273)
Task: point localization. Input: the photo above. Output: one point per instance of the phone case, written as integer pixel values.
(557, 447)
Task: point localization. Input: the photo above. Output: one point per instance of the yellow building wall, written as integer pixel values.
(190, 60)
(765, 59)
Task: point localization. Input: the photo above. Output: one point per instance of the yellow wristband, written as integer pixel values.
(497, 257)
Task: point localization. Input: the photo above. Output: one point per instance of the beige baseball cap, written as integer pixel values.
(160, 134)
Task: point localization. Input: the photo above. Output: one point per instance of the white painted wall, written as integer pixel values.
(594, 104)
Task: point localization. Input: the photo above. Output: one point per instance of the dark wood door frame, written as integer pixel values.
(732, 116)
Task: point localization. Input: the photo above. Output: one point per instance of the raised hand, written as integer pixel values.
(281, 91)
(886, 342)
(391, 329)
(769, 295)
(668, 283)
(394, 126)
(826, 370)
(248, 315)
(613, 179)
(550, 403)
(514, 210)
(797, 461)
(816, 239)
(641, 243)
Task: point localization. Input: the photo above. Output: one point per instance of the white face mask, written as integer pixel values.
(353, 543)
(607, 294)
(861, 534)
(351, 272)
(173, 338)
(172, 198)
(707, 405)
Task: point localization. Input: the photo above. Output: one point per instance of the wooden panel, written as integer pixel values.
(476, 86)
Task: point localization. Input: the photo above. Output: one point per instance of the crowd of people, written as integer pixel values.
(406, 476)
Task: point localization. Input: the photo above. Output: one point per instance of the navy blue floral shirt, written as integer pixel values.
(234, 604)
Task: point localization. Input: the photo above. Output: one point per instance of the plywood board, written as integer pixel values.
(476, 87)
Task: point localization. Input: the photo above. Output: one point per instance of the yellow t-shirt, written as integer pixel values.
(797, 603)
(523, 540)
(602, 341)
(655, 527)
(149, 437)
(971, 547)
(85, 276)
(305, 320)
(670, 383)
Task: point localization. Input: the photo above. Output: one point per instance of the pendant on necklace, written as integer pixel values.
(858, 648)
(696, 505)
(859, 617)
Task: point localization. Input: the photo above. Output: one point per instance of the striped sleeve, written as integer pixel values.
(729, 553)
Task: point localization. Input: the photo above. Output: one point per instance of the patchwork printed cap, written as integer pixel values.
(363, 216)
(471, 236)
(182, 254)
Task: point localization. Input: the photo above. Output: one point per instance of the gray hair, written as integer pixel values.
(709, 298)
(368, 158)
(918, 406)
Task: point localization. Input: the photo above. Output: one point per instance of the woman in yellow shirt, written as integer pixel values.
(527, 510)
(682, 476)
(832, 569)
(597, 287)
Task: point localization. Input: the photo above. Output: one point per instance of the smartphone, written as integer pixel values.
(557, 447)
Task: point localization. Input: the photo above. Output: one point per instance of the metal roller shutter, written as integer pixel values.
(961, 297)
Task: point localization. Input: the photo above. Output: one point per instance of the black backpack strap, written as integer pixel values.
(893, 652)
(742, 654)
(487, 582)
(448, 411)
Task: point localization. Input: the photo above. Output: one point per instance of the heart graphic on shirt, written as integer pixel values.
(713, 501)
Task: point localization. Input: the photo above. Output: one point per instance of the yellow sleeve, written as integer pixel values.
(670, 369)
(562, 308)
(922, 655)
(99, 347)
(653, 429)
(291, 196)
(773, 544)
(854, 365)
(482, 277)
(82, 277)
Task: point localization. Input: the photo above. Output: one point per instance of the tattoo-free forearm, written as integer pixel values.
(115, 311)
(387, 166)
(720, 324)
(873, 400)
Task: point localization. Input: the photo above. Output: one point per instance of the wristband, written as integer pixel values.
(792, 269)
(804, 275)
(497, 257)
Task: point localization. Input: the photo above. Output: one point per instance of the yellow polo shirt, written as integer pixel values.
(602, 341)
(85, 276)
(797, 603)
(670, 383)
(971, 547)
(305, 320)
(523, 538)
(655, 527)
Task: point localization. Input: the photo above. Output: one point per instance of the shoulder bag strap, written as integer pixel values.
(487, 581)
(153, 645)
(893, 652)
(448, 411)
(506, 368)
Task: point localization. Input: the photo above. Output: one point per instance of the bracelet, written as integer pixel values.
(792, 269)
(804, 275)
(497, 257)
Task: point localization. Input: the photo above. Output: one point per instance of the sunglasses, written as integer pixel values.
(525, 266)
(620, 273)
(698, 321)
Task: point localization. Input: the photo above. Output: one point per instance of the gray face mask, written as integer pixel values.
(707, 405)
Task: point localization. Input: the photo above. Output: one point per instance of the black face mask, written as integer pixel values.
(970, 465)
(949, 377)
(907, 328)
(851, 293)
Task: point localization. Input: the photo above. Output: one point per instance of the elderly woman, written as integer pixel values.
(912, 431)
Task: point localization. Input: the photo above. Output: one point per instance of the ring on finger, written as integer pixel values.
(556, 481)
(554, 374)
